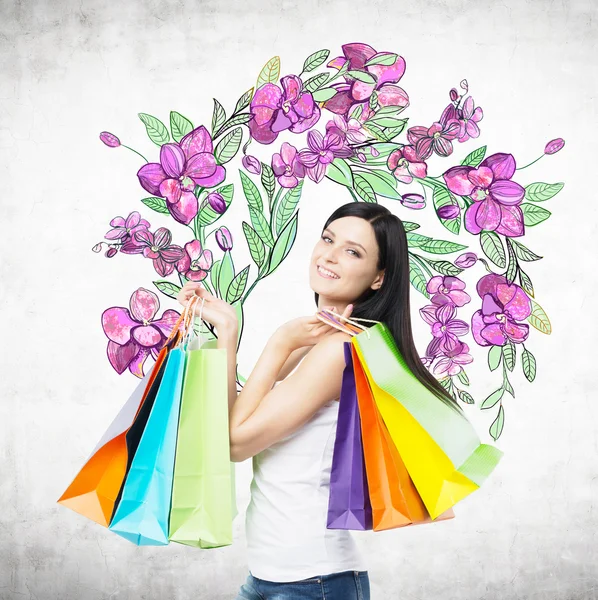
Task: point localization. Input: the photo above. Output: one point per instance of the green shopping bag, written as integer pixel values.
(203, 503)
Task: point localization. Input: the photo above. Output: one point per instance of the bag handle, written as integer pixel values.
(326, 318)
(191, 312)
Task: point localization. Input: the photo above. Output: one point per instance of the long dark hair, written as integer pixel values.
(390, 303)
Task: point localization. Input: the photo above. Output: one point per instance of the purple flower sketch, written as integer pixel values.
(354, 92)
(196, 262)
(446, 289)
(405, 165)
(445, 328)
(503, 306)
(436, 138)
(451, 363)
(182, 166)
(124, 231)
(133, 333)
(496, 198)
(287, 167)
(321, 152)
(157, 246)
(275, 110)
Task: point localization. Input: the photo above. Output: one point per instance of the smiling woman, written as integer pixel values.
(358, 266)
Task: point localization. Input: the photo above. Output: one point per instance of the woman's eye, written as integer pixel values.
(354, 252)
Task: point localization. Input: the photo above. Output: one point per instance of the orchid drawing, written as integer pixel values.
(340, 119)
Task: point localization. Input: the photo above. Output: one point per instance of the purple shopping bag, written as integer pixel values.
(349, 503)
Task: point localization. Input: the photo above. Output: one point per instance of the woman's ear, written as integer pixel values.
(378, 281)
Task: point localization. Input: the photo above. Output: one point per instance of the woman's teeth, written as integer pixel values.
(326, 273)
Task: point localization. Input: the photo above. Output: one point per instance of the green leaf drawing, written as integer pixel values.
(509, 353)
(270, 72)
(363, 76)
(383, 58)
(417, 277)
(528, 363)
(494, 356)
(324, 94)
(283, 244)
(441, 247)
(313, 61)
(340, 171)
(218, 116)
(539, 192)
(156, 130)
(268, 180)
(492, 399)
(363, 188)
(157, 204)
(244, 101)
(261, 226)
(442, 197)
(316, 82)
(382, 183)
(539, 319)
(252, 194)
(168, 288)
(228, 146)
(522, 252)
(473, 159)
(286, 207)
(226, 274)
(498, 424)
(533, 214)
(237, 286)
(256, 246)
(179, 126)
(493, 248)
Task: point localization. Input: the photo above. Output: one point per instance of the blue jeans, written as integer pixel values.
(348, 585)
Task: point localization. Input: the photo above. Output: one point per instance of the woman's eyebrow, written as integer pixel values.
(348, 241)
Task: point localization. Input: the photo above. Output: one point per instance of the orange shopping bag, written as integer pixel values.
(394, 498)
(95, 490)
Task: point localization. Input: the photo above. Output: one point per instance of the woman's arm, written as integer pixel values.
(262, 416)
(292, 362)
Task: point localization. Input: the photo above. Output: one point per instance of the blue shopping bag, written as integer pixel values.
(143, 511)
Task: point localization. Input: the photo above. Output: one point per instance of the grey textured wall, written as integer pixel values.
(72, 69)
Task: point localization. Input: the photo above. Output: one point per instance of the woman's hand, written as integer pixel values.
(306, 331)
(217, 312)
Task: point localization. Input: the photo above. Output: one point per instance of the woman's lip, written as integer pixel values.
(318, 267)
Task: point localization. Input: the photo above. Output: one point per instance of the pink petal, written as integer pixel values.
(185, 209)
(172, 254)
(117, 324)
(457, 180)
(136, 365)
(502, 165)
(460, 298)
(265, 100)
(200, 166)
(478, 114)
(471, 223)
(477, 324)
(507, 192)
(442, 366)
(308, 158)
(340, 103)
(196, 142)
(172, 159)
(162, 267)
(150, 177)
(117, 222)
(403, 175)
(278, 164)
(171, 190)
(288, 153)
(442, 146)
(305, 124)
(494, 334)
(391, 73)
(414, 134)
(116, 234)
(511, 221)
(337, 63)
(262, 133)
(472, 129)
(434, 283)
(362, 91)
(198, 275)
(457, 327)
(162, 237)
(183, 264)
(468, 107)
(392, 95)
(488, 215)
(446, 312)
(289, 181)
(280, 122)
(418, 169)
(451, 129)
(144, 237)
(167, 321)
(133, 220)
(193, 249)
(291, 84)
(428, 313)
(358, 54)
(304, 106)
(482, 177)
(515, 301)
(121, 356)
(213, 180)
(423, 148)
(205, 260)
(518, 332)
(144, 305)
(146, 335)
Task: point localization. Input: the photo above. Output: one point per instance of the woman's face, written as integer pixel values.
(344, 261)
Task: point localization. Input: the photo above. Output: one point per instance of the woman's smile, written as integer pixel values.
(326, 274)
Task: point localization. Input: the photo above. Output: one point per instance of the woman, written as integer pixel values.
(359, 267)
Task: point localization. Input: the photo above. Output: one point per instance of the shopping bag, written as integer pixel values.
(349, 502)
(94, 491)
(142, 512)
(394, 498)
(203, 503)
(438, 445)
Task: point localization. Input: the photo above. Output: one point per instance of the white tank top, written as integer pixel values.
(287, 538)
